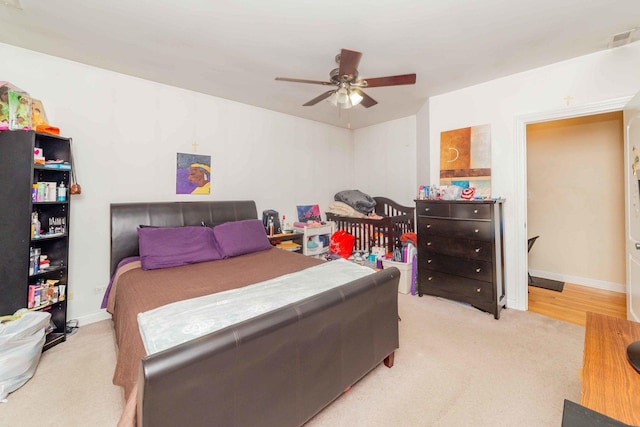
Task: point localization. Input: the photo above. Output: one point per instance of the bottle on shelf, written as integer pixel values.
(62, 192)
(35, 226)
(33, 264)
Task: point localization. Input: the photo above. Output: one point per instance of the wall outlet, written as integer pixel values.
(70, 295)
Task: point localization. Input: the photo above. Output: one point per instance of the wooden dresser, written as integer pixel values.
(460, 252)
(610, 385)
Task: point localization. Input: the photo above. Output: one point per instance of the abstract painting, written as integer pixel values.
(465, 159)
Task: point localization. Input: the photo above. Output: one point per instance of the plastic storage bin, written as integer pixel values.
(404, 286)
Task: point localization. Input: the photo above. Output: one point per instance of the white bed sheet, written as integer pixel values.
(182, 321)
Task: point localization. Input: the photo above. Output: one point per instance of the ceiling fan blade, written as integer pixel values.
(349, 61)
(317, 99)
(367, 101)
(404, 79)
(316, 82)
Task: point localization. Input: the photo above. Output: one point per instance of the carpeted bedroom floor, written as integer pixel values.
(456, 366)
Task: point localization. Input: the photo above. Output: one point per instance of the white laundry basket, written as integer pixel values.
(21, 343)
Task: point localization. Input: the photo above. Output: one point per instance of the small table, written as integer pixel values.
(287, 240)
(610, 385)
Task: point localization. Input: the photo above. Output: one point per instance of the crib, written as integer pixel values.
(385, 232)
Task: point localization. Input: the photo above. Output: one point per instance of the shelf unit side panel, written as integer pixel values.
(16, 170)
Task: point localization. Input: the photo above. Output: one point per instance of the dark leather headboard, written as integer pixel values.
(126, 217)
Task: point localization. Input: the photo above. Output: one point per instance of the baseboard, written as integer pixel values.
(92, 317)
(582, 281)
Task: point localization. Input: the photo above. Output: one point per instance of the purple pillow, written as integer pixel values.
(174, 246)
(241, 237)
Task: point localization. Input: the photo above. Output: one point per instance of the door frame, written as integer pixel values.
(631, 114)
(521, 264)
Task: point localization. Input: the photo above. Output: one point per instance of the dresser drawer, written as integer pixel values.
(473, 269)
(475, 292)
(471, 210)
(472, 249)
(432, 209)
(464, 229)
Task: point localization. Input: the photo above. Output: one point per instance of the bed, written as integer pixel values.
(277, 369)
(383, 232)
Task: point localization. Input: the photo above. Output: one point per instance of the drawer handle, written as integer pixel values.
(477, 250)
(428, 225)
(476, 231)
(429, 278)
(428, 243)
(427, 209)
(429, 261)
(478, 290)
(475, 211)
(478, 270)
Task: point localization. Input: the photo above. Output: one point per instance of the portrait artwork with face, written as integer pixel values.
(193, 174)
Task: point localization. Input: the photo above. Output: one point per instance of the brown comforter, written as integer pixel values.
(136, 291)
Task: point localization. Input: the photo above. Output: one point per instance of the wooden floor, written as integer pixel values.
(572, 304)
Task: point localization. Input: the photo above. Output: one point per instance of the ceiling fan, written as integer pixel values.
(348, 93)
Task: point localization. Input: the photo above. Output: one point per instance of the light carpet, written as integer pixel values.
(456, 366)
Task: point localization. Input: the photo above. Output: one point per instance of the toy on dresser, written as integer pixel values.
(19, 111)
(15, 107)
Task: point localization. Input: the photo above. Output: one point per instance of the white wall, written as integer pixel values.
(385, 160)
(602, 76)
(423, 154)
(126, 133)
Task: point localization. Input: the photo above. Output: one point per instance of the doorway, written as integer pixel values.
(520, 265)
(575, 200)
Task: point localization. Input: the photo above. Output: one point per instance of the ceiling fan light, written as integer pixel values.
(333, 99)
(355, 97)
(343, 97)
(346, 104)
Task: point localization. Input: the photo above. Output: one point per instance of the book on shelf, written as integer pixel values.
(65, 166)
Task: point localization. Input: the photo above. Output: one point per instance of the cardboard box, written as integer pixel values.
(406, 274)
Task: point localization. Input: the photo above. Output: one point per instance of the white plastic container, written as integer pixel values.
(404, 286)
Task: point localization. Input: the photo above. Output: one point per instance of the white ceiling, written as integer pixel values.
(235, 49)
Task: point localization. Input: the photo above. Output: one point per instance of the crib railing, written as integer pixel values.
(385, 232)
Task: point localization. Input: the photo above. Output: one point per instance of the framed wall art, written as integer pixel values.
(193, 174)
(465, 159)
(308, 213)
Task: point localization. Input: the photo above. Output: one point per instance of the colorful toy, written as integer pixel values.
(15, 107)
(467, 193)
(4, 107)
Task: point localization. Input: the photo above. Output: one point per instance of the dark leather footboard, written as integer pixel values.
(278, 369)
